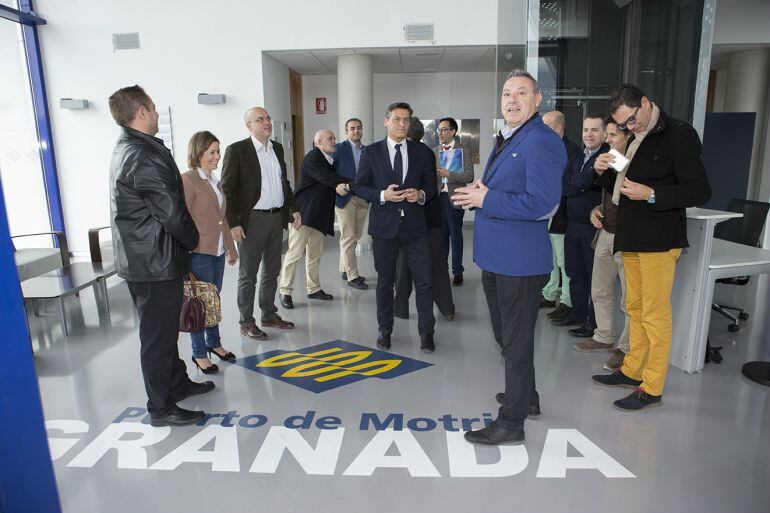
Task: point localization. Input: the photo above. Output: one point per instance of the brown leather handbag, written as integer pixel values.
(193, 316)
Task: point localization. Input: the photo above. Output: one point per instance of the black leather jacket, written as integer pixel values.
(152, 231)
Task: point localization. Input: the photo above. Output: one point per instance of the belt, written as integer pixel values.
(269, 210)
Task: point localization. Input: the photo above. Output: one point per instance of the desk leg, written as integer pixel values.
(63, 316)
(36, 307)
(103, 283)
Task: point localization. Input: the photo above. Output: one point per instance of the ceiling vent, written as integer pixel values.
(125, 41)
(422, 32)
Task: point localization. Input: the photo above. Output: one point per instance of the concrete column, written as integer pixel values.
(748, 73)
(355, 92)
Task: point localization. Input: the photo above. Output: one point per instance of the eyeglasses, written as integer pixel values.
(261, 119)
(399, 120)
(444, 130)
(623, 127)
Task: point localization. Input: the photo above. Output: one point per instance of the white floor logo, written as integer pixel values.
(129, 435)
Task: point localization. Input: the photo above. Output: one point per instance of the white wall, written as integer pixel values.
(195, 46)
(277, 100)
(742, 22)
(320, 86)
(431, 95)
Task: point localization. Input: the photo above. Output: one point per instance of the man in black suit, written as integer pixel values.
(260, 204)
(315, 195)
(397, 177)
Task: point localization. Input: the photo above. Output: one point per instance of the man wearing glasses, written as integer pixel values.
(452, 216)
(260, 205)
(665, 176)
(397, 177)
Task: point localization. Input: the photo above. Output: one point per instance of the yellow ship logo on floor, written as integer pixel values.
(330, 365)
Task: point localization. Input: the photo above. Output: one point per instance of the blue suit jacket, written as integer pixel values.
(510, 234)
(375, 174)
(345, 165)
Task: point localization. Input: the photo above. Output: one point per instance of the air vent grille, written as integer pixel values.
(418, 32)
(129, 41)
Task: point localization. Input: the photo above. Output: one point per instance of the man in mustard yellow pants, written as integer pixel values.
(665, 176)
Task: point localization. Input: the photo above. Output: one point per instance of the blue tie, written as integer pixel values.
(398, 164)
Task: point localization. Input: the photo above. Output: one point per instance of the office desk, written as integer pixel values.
(728, 260)
(690, 298)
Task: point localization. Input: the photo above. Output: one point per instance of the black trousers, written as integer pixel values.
(514, 302)
(417, 255)
(579, 265)
(441, 288)
(159, 304)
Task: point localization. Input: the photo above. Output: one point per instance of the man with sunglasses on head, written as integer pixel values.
(665, 176)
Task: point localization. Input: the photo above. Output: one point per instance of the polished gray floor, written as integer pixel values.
(707, 449)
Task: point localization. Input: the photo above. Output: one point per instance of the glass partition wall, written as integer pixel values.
(581, 50)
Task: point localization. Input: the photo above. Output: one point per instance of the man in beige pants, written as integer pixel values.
(608, 267)
(315, 194)
(351, 210)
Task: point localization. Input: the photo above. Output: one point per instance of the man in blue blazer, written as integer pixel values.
(351, 210)
(397, 177)
(517, 194)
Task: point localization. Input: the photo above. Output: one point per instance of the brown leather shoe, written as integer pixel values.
(253, 332)
(277, 322)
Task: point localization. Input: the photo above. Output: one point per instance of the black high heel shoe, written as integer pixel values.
(208, 370)
(227, 357)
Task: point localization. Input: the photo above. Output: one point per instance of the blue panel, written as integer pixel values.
(26, 474)
(43, 120)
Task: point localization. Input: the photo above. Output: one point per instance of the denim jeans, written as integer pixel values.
(211, 269)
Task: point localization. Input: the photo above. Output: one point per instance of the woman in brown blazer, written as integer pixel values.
(207, 205)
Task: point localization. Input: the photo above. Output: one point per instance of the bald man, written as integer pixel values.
(315, 194)
(260, 205)
(558, 226)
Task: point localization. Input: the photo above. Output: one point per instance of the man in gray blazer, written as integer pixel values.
(452, 216)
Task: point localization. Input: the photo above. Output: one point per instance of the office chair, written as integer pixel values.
(744, 230)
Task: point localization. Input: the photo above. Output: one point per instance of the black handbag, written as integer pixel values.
(193, 317)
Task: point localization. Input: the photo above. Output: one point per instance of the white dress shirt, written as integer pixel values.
(392, 154)
(213, 181)
(272, 190)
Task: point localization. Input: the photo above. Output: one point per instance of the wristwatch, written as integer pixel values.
(651, 199)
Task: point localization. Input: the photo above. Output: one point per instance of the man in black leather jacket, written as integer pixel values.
(152, 234)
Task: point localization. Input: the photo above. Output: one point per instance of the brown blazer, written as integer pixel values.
(209, 218)
(242, 183)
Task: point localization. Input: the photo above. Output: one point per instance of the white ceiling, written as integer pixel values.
(426, 59)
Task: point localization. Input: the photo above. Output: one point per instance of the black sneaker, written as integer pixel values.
(637, 400)
(616, 379)
(358, 283)
(457, 280)
(495, 434)
(320, 295)
(427, 345)
(383, 340)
